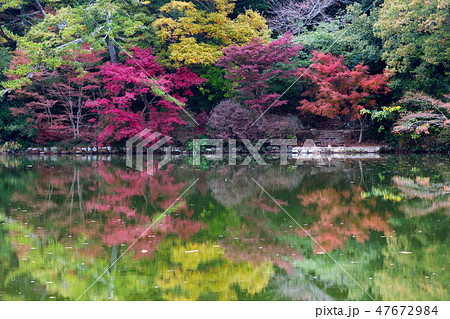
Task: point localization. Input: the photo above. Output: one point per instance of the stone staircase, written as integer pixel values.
(331, 137)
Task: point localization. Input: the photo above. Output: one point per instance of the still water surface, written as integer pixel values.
(64, 221)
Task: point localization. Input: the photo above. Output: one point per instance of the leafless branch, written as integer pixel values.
(294, 15)
(41, 9)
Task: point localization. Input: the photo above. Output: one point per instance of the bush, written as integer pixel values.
(10, 147)
(443, 140)
(416, 123)
(416, 101)
(229, 119)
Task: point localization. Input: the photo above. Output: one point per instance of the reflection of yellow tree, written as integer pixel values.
(200, 271)
(412, 273)
(258, 243)
(424, 196)
(60, 268)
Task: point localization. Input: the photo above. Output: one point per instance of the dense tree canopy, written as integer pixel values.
(350, 35)
(242, 49)
(416, 42)
(193, 34)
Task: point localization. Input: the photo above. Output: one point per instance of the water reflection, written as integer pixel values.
(342, 214)
(65, 221)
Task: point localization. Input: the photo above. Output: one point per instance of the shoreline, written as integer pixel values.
(183, 150)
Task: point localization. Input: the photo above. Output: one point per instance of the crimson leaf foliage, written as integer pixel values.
(339, 90)
(140, 94)
(252, 66)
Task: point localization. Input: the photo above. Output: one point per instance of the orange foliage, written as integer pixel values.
(341, 214)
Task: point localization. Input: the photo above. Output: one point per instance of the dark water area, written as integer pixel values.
(341, 229)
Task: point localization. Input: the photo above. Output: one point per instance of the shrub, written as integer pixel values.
(10, 147)
(229, 119)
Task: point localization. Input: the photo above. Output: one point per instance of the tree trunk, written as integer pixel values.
(111, 48)
(361, 123)
(113, 259)
(360, 135)
(78, 116)
(112, 51)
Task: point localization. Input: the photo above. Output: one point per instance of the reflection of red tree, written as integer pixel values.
(342, 214)
(117, 231)
(119, 187)
(124, 224)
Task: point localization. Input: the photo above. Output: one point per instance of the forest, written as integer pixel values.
(97, 72)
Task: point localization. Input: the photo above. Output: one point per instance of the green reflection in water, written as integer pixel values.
(64, 221)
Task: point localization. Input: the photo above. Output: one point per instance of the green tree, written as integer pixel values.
(350, 35)
(105, 24)
(416, 43)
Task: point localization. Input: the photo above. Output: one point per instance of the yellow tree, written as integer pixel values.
(190, 35)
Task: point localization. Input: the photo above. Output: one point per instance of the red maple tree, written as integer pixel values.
(339, 90)
(252, 66)
(141, 94)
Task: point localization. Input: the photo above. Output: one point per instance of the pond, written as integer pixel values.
(78, 228)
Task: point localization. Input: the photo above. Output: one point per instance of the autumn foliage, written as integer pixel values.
(139, 94)
(339, 90)
(194, 33)
(252, 66)
(56, 99)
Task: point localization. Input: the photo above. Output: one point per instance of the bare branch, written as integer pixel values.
(41, 9)
(294, 15)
